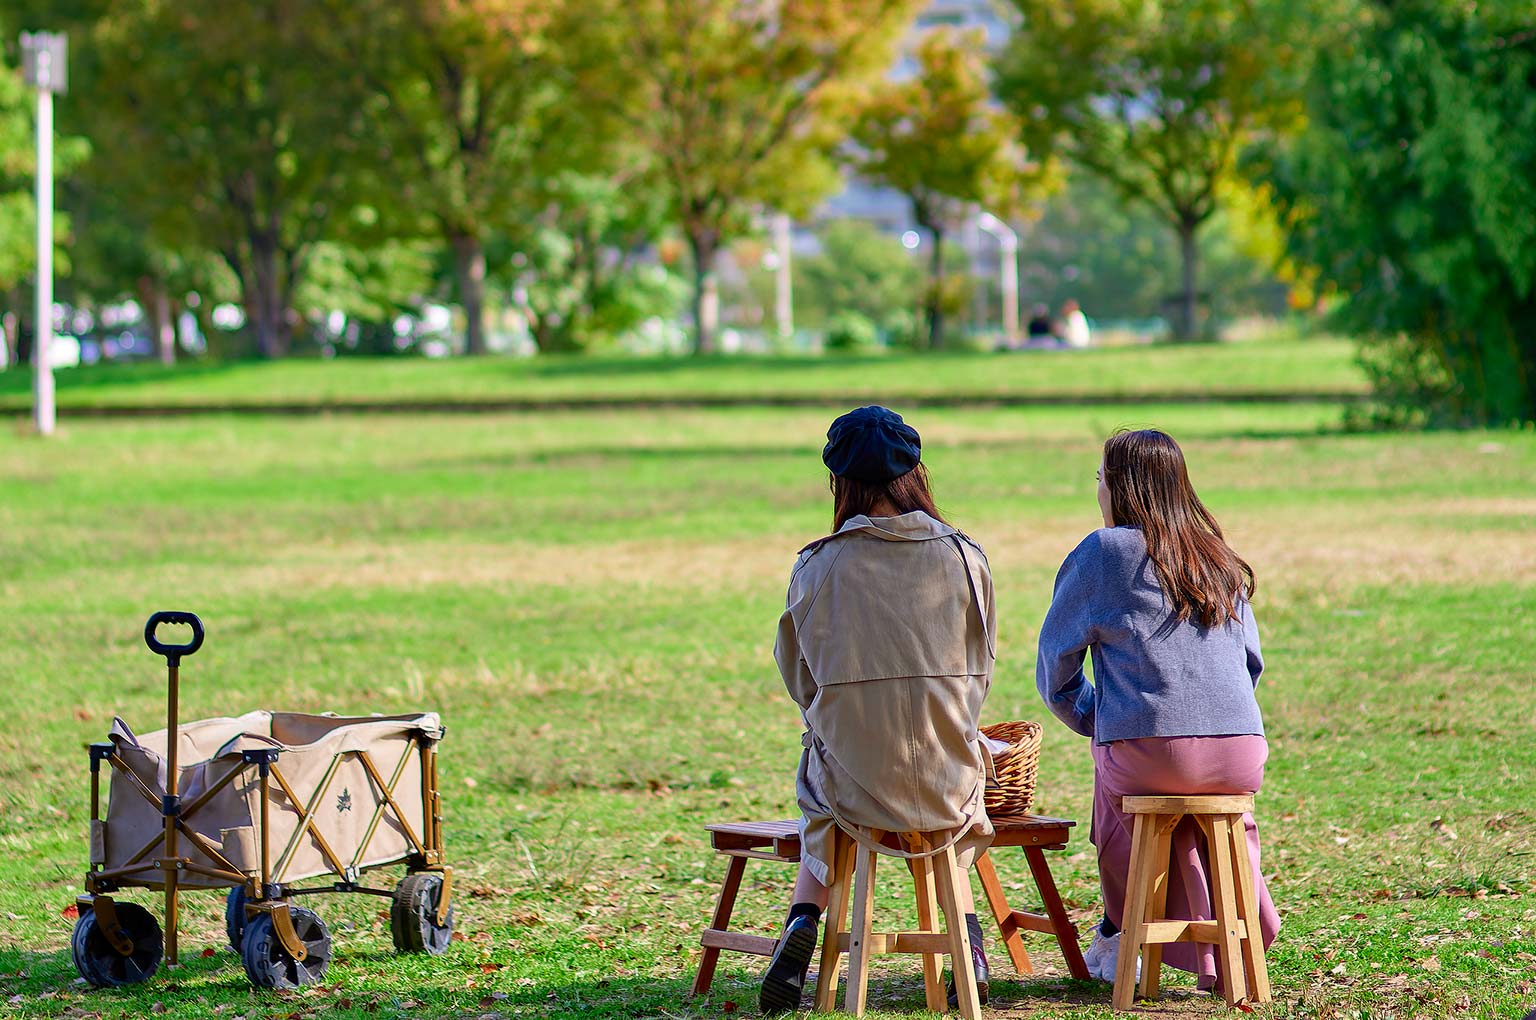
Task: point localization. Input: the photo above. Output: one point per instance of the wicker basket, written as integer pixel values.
(1013, 792)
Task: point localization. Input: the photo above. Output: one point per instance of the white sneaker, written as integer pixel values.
(1103, 956)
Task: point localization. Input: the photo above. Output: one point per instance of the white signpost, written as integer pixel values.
(44, 67)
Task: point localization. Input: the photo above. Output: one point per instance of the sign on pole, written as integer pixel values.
(44, 67)
(44, 61)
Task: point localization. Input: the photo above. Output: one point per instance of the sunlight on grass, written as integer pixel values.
(589, 600)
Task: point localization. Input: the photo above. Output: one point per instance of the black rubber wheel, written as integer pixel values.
(234, 917)
(103, 966)
(268, 964)
(413, 915)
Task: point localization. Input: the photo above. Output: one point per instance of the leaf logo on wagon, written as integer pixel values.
(344, 801)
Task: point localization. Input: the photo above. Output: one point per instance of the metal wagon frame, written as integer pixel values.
(281, 945)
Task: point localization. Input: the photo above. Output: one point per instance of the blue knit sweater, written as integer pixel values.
(1153, 676)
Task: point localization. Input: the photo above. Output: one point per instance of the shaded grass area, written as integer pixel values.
(1323, 366)
(589, 599)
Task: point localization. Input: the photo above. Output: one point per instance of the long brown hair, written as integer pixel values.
(908, 492)
(1149, 488)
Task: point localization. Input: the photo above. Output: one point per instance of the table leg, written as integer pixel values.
(1007, 927)
(721, 922)
(1066, 931)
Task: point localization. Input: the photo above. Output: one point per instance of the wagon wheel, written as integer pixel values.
(103, 966)
(268, 964)
(413, 915)
(234, 916)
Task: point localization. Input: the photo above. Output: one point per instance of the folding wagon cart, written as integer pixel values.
(269, 800)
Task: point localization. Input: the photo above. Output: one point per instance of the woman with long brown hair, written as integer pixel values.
(886, 647)
(1161, 602)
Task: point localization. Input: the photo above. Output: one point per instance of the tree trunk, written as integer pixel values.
(1189, 252)
(157, 311)
(706, 290)
(936, 291)
(265, 300)
(469, 272)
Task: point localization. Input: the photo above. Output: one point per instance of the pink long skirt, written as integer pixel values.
(1177, 765)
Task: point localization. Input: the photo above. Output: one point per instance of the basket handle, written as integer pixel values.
(173, 653)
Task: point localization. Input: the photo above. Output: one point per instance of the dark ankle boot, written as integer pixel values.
(785, 979)
(978, 964)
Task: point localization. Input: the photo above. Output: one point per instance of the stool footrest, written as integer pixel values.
(1022, 920)
(762, 855)
(884, 943)
(738, 942)
(1189, 931)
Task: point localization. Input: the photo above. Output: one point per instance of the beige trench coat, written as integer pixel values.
(886, 645)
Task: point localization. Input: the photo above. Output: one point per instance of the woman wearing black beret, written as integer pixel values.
(886, 646)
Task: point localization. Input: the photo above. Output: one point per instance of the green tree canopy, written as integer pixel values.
(939, 140)
(216, 124)
(577, 270)
(1119, 260)
(739, 104)
(858, 270)
(1155, 96)
(1412, 192)
(472, 100)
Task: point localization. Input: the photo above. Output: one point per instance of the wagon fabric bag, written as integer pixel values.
(231, 818)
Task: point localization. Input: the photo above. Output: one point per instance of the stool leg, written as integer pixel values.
(1218, 831)
(1007, 927)
(1257, 971)
(946, 875)
(1157, 903)
(1134, 912)
(858, 935)
(836, 925)
(721, 921)
(1066, 931)
(927, 920)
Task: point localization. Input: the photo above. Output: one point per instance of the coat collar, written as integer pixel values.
(909, 527)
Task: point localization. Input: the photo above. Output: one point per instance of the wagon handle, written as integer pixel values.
(170, 801)
(173, 653)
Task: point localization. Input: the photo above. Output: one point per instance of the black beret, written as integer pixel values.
(871, 444)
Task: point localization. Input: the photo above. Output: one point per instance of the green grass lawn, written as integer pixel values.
(589, 599)
(1320, 366)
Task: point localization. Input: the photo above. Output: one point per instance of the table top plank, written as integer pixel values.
(1017, 830)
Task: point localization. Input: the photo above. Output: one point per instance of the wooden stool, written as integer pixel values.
(935, 881)
(780, 841)
(1235, 933)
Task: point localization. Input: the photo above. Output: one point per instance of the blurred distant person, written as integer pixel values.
(1040, 327)
(1074, 325)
